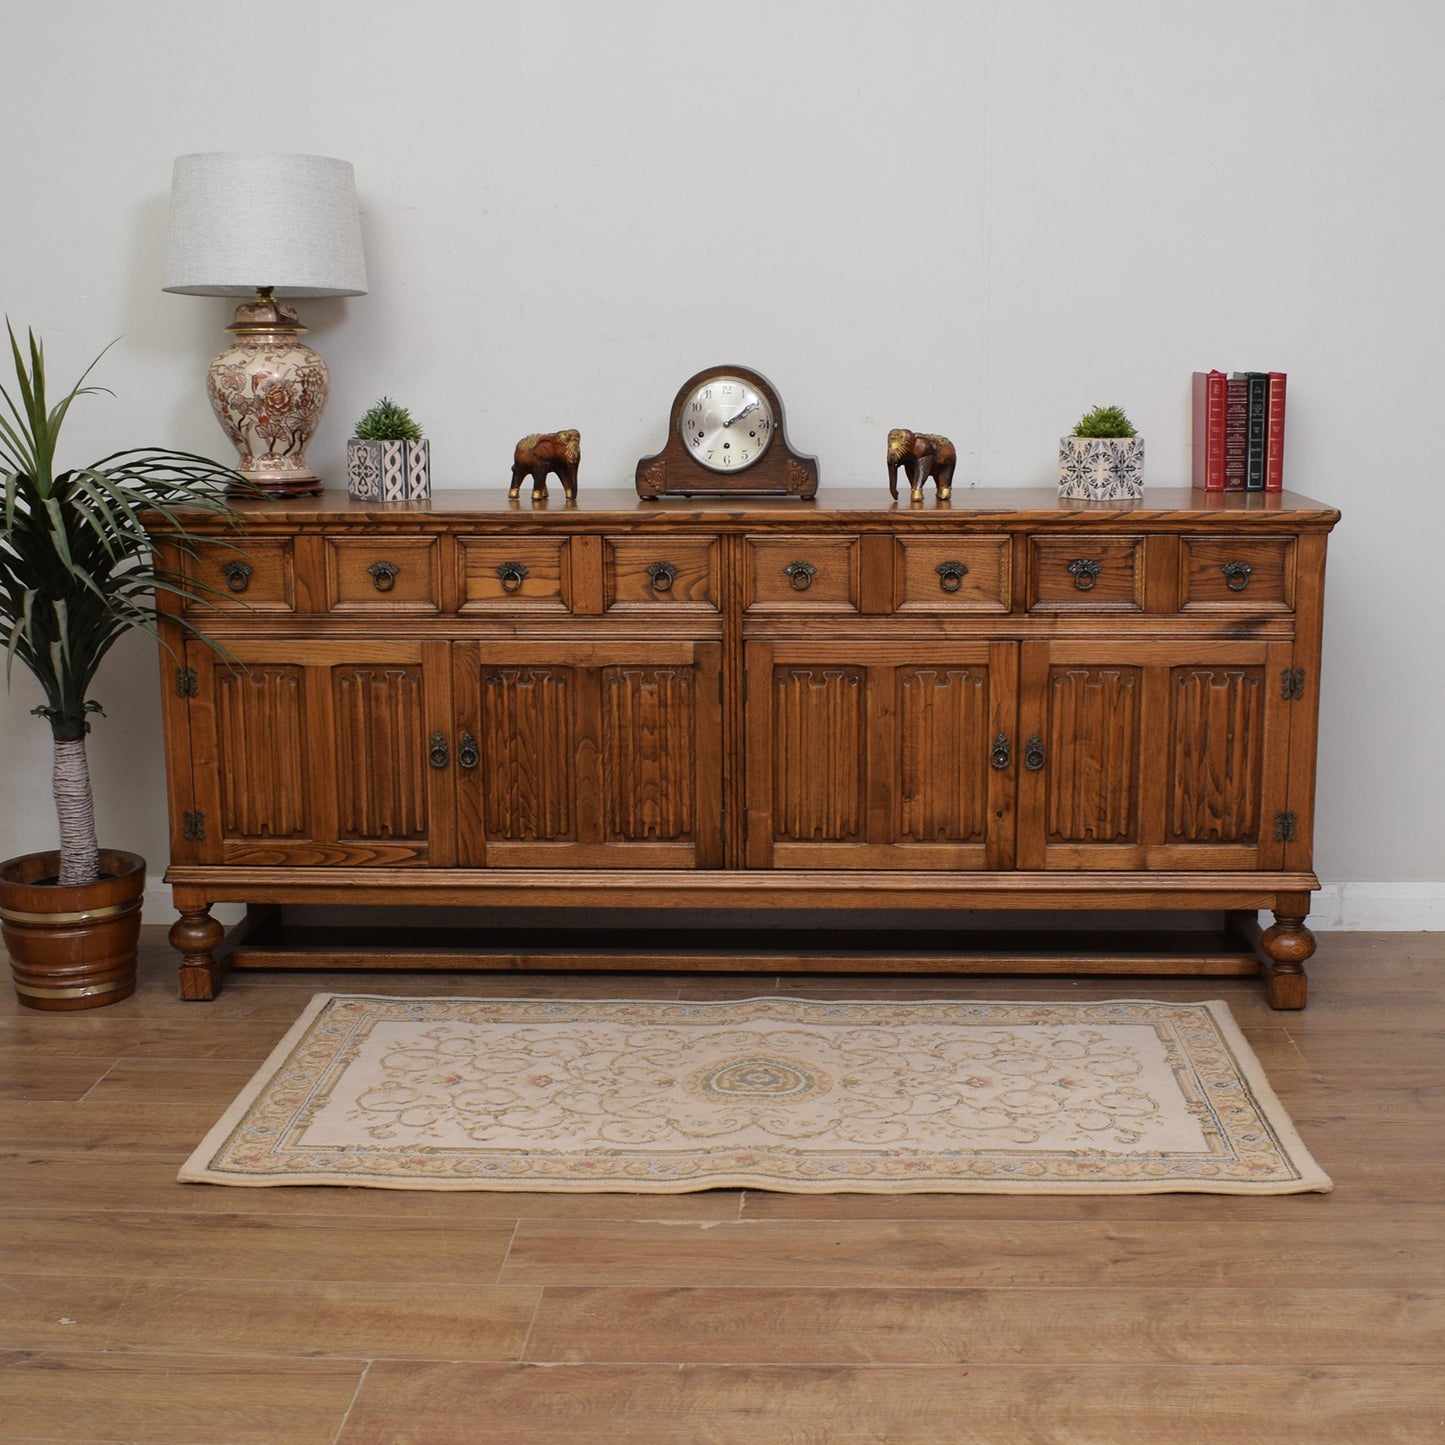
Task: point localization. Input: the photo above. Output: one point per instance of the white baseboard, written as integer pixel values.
(1378, 908)
(1336, 908)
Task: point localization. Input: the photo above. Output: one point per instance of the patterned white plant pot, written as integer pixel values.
(1101, 469)
(388, 471)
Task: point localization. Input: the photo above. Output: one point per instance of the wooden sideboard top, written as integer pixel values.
(1160, 508)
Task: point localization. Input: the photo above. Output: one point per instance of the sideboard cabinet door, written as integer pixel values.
(1153, 755)
(597, 754)
(320, 753)
(874, 755)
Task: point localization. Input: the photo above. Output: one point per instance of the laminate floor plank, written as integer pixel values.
(37, 1075)
(850, 1326)
(311, 1319)
(174, 1399)
(181, 1246)
(1399, 1253)
(67, 1312)
(415, 1404)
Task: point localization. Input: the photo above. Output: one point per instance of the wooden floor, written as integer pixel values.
(133, 1308)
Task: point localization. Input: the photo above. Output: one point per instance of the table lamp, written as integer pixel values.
(269, 227)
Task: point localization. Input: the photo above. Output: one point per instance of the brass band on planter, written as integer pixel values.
(86, 992)
(94, 915)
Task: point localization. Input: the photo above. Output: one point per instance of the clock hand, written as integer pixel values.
(749, 407)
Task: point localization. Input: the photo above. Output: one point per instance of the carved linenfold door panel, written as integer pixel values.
(868, 755)
(1153, 755)
(320, 755)
(590, 755)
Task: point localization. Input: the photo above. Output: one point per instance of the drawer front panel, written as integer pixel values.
(395, 574)
(666, 572)
(955, 574)
(803, 572)
(1237, 573)
(255, 575)
(505, 574)
(1087, 573)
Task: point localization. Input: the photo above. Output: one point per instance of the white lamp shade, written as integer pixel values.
(241, 220)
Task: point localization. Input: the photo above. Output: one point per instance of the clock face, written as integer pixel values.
(726, 423)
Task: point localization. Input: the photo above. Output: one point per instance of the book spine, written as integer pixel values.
(1256, 426)
(1274, 435)
(1236, 433)
(1210, 398)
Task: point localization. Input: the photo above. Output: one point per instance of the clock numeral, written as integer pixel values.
(743, 457)
(697, 441)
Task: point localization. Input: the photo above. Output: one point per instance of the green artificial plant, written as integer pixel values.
(77, 571)
(387, 422)
(1104, 421)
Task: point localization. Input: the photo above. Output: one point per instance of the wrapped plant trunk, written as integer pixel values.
(75, 809)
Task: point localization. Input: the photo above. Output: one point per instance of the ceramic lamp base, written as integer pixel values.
(268, 390)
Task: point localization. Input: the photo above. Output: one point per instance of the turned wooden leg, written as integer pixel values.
(1286, 944)
(195, 935)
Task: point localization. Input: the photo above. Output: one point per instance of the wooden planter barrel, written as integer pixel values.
(72, 947)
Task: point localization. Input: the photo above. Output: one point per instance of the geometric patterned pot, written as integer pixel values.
(1101, 469)
(388, 471)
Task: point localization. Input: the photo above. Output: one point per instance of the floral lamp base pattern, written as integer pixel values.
(388, 471)
(1101, 469)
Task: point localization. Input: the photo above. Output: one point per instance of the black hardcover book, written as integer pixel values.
(1256, 428)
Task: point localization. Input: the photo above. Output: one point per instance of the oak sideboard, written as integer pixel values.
(433, 716)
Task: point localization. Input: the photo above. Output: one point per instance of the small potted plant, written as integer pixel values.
(388, 460)
(1103, 461)
(76, 574)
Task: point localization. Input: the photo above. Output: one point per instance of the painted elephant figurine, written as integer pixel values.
(557, 452)
(922, 455)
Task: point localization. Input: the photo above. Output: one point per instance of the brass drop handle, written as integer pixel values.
(801, 575)
(951, 575)
(383, 574)
(663, 575)
(1002, 753)
(1085, 572)
(237, 575)
(1237, 575)
(1034, 753)
(513, 574)
(468, 754)
(438, 755)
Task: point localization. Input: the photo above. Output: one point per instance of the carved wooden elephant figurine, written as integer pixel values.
(557, 452)
(922, 455)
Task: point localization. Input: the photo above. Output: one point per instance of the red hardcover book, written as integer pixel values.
(1236, 433)
(1210, 396)
(1274, 434)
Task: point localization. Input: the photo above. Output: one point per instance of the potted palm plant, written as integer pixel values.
(76, 574)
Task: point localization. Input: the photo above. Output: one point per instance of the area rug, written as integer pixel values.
(1123, 1097)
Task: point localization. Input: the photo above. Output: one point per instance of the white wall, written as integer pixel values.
(972, 216)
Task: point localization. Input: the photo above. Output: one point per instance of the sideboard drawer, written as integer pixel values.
(955, 574)
(253, 575)
(397, 574)
(669, 572)
(803, 572)
(513, 574)
(1087, 572)
(1236, 573)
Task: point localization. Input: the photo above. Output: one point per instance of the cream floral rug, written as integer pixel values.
(1125, 1097)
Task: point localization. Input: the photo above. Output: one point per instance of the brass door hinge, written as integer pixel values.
(188, 684)
(1284, 827)
(193, 825)
(1292, 684)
